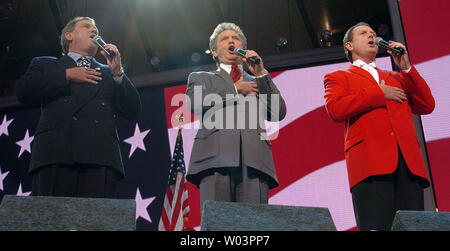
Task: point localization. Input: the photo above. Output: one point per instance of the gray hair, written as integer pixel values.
(223, 27)
(348, 37)
(70, 26)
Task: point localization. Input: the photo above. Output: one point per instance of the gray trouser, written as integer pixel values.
(235, 187)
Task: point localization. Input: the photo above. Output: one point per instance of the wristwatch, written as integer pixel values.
(119, 74)
(263, 73)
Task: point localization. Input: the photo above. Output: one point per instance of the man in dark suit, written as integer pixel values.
(75, 152)
(231, 158)
(386, 170)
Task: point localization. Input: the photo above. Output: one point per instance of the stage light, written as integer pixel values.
(282, 43)
(155, 61)
(383, 30)
(195, 57)
(326, 36)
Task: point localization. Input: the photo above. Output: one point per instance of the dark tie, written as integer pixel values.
(235, 73)
(84, 62)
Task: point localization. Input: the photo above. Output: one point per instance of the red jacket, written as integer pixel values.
(374, 125)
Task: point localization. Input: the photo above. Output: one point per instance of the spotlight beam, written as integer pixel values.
(56, 15)
(142, 34)
(307, 21)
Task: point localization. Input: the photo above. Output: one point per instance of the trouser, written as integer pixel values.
(78, 180)
(377, 198)
(235, 184)
(246, 186)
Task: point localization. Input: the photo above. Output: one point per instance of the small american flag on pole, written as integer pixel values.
(176, 205)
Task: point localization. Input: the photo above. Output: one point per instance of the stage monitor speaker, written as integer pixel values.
(231, 216)
(421, 221)
(41, 213)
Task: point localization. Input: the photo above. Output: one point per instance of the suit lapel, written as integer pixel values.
(92, 90)
(224, 75)
(67, 62)
(383, 75)
(362, 72)
(103, 70)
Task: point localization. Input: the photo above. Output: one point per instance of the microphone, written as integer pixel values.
(100, 43)
(241, 52)
(380, 42)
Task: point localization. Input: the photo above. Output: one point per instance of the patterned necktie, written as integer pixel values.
(235, 73)
(84, 62)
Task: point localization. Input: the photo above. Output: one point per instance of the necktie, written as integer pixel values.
(84, 62)
(235, 73)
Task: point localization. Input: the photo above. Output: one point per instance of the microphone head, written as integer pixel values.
(101, 44)
(239, 51)
(99, 41)
(379, 41)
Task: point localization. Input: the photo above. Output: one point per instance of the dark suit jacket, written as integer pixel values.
(78, 120)
(219, 145)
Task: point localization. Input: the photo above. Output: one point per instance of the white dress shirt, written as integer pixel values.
(227, 68)
(371, 68)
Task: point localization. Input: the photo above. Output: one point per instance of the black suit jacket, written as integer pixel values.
(78, 120)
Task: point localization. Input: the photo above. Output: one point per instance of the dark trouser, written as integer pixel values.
(377, 198)
(81, 180)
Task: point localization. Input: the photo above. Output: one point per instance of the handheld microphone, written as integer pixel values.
(241, 52)
(101, 44)
(380, 42)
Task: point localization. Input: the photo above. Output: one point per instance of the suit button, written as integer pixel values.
(103, 103)
(96, 121)
(74, 118)
(392, 133)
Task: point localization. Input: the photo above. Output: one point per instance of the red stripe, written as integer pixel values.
(439, 164)
(164, 217)
(165, 220)
(169, 194)
(176, 209)
(306, 145)
(194, 204)
(274, 74)
(424, 35)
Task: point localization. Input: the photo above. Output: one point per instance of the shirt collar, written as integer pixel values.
(361, 63)
(227, 67)
(75, 56)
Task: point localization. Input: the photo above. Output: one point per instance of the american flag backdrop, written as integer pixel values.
(175, 211)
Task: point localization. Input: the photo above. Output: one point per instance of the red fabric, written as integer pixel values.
(373, 125)
(235, 73)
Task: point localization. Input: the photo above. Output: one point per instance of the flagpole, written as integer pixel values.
(180, 119)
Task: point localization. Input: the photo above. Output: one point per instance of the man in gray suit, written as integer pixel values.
(231, 158)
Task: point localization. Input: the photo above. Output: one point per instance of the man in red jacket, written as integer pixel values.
(385, 167)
